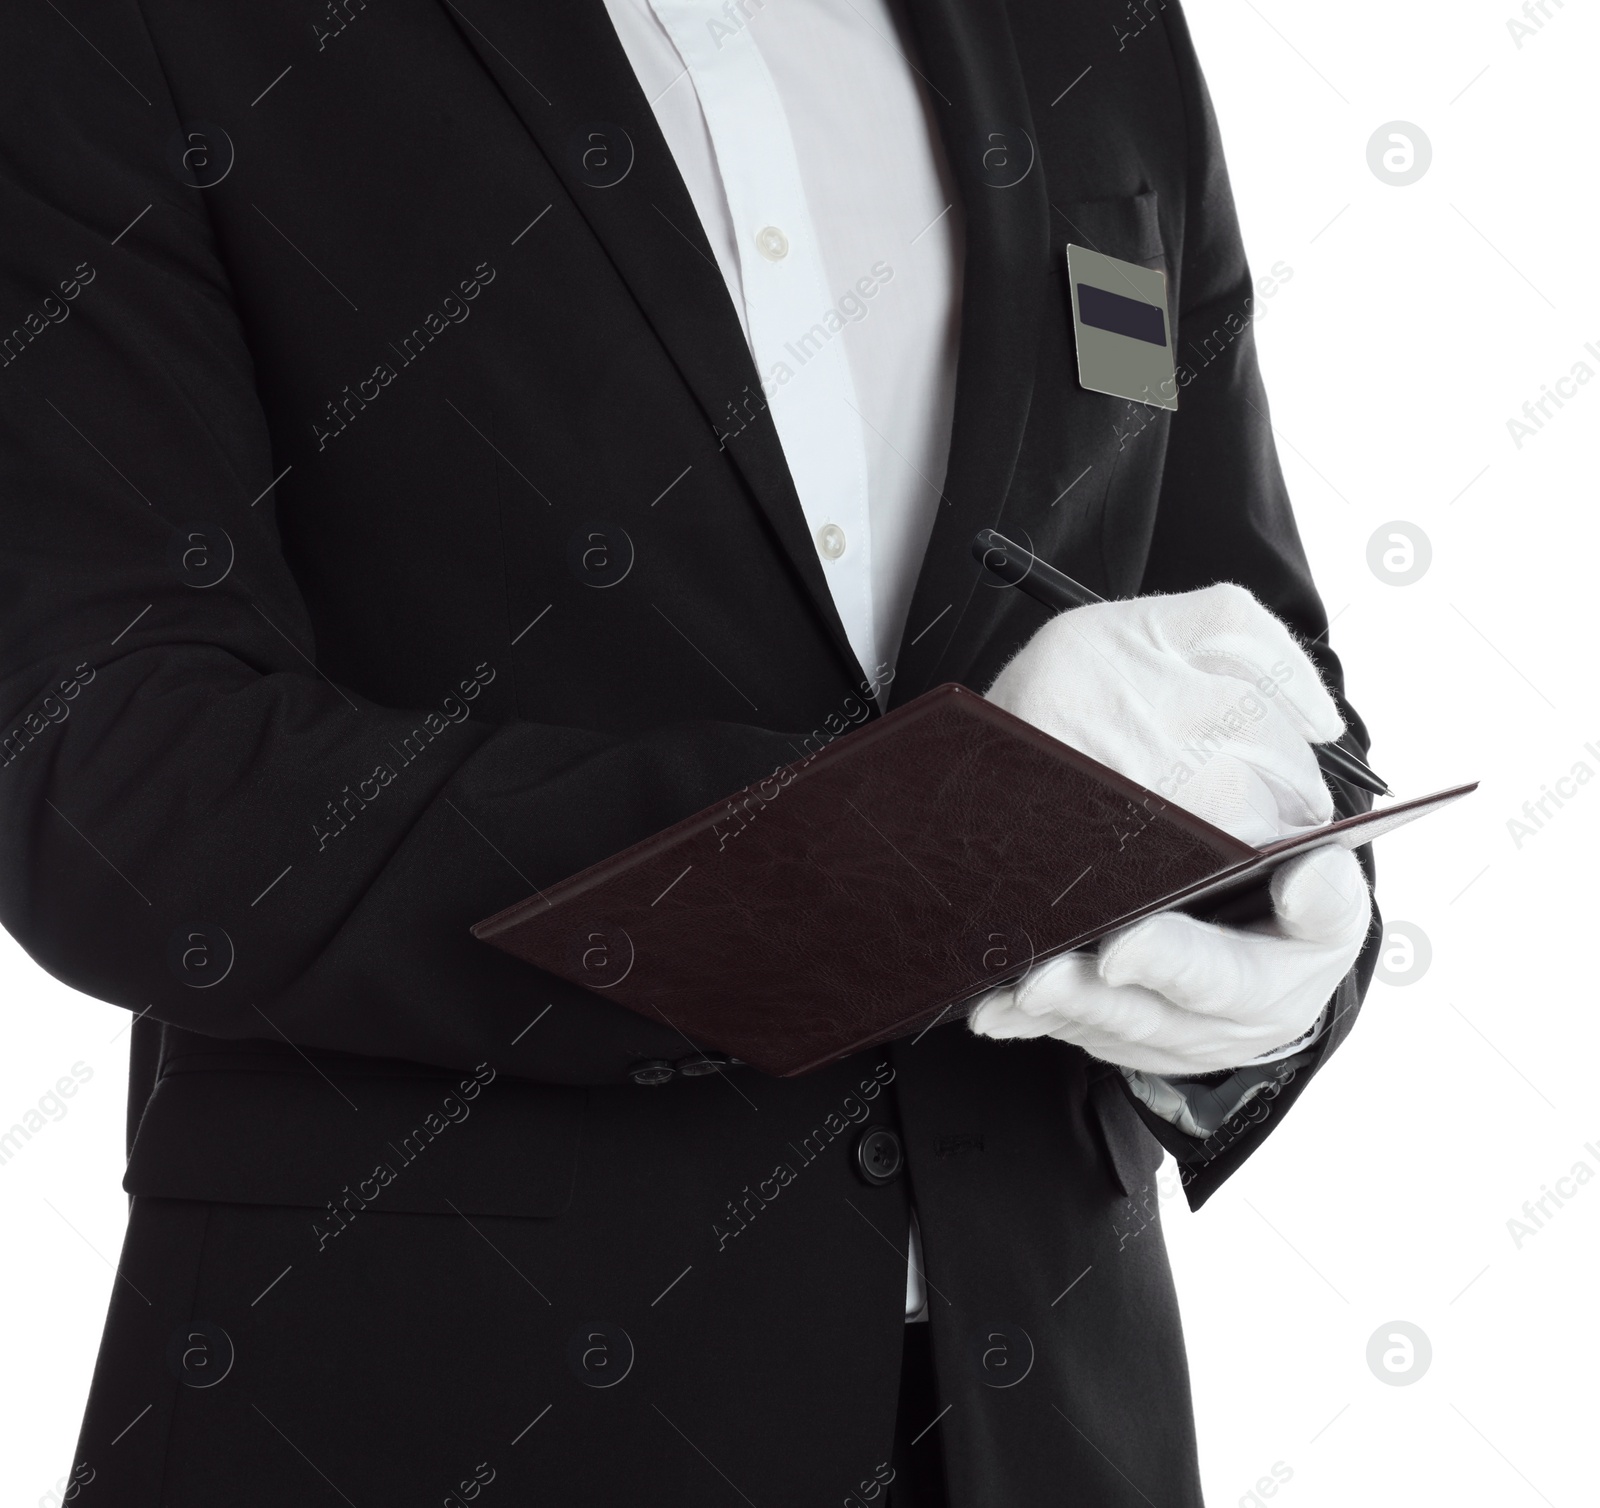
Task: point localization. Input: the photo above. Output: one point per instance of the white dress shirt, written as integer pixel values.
(802, 133)
(809, 152)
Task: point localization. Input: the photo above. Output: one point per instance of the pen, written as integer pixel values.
(1054, 589)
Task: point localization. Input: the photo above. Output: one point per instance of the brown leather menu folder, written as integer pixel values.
(862, 893)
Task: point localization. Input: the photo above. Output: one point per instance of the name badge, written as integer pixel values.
(1119, 317)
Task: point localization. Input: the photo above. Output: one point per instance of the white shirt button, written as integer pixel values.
(830, 540)
(772, 243)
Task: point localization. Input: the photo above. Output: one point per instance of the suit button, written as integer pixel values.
(878, 1155)
(651, 1071)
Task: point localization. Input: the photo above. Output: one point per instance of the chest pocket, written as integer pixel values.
(1128, 228)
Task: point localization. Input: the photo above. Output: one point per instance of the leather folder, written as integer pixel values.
(867, 891)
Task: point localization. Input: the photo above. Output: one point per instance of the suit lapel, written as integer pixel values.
(562, 69)
(975, 83)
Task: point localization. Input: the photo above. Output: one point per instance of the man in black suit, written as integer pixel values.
(396, 520)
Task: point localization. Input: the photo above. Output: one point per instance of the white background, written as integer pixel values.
(1416, 322)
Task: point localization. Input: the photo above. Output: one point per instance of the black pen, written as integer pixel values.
(1054, 589)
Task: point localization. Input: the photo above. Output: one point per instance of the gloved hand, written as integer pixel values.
(1205, 698)
(1177, 996)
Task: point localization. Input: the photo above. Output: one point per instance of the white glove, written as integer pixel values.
(1177, 996)
(1206, 699)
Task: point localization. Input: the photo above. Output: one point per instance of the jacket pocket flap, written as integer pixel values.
(1129, 228)
(485, 1145)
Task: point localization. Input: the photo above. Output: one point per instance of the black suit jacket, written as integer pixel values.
(393, 523)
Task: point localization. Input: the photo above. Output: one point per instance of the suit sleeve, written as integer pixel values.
(169, 742)
(1224, 515)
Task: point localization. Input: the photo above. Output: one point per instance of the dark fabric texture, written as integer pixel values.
(916, 1467)
(391, 523)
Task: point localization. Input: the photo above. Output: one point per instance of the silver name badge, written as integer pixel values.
(1119, 316)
